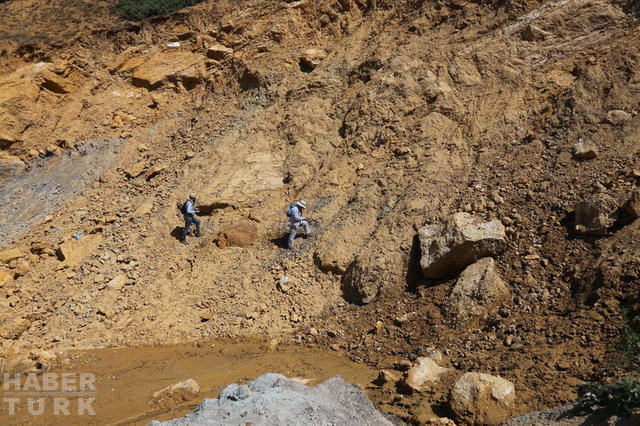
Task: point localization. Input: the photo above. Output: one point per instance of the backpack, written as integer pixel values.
(183, 208)
(290, 210)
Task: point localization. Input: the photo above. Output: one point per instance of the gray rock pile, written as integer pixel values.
(272, 399)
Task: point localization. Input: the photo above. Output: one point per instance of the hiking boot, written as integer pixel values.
(199, 234)
(184, 242)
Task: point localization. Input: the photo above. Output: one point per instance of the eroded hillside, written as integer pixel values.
(384, 116)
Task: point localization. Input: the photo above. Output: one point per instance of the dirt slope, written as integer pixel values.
(414, 111)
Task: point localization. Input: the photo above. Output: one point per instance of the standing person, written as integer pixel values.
(189, 212)
(295, 220)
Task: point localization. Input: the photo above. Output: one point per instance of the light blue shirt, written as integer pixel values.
(190, 208)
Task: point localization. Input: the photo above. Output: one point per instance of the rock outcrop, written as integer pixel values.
(478, 292)
(273, 399)
(449, 247)
(482, 399)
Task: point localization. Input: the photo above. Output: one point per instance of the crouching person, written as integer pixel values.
(296, 220)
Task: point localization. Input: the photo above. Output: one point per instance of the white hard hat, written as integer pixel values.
(301, 204)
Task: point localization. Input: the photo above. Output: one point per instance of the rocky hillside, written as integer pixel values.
(515, 118)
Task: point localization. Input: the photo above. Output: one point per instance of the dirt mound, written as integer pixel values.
(413, 112)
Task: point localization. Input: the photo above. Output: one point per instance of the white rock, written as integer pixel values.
(479, 398)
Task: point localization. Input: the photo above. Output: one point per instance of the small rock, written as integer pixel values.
(335, 347)
(117, 283)
(155, 171)
(283, 284)
(10, 166)
(22, 267)
(207, 316)
(218, 52)
(617, 116)
(534, 33)
(632, 206)
(425, 371)
(311, 58)
(135, 170)
(176, 393)
(385, 377)
(9, 255)
(5, 276)
(585, 150)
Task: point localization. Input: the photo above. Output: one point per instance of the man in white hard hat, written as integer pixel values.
(189, 211)
(295, 220)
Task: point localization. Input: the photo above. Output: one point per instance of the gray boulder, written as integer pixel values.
(272, 399)
(461, 240)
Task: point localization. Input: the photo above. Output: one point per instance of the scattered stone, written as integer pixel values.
(403, 365)
(42, 248)
(72, 251)
(10, 166)
(239, 234)
(14, 328)
(585, 150)
(21, 267)
(274, 399)
(311, 58)
(218, 52)
(617, 116)
(595, 215)
(424, 372)
(117, 283)
(632, 206)
(478, 292)
(284, 284)
(385, 377)
(207, 316)
(135, 170)
(478, 398)
(55, 83)
(168, 66)
(176, 393)
(533, 33)
(7, 256)
(155, 171)
(463, 239)
(106, 311)
(5, 276)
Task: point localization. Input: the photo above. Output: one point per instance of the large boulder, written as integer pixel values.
(482, 399)
(596, 214)
(273, 399)
(461, 240)
(478, 292)
(360, 285)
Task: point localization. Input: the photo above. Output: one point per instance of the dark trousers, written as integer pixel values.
(188, 220)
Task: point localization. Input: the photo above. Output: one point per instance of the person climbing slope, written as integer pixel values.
(189, 213)
(296, 220)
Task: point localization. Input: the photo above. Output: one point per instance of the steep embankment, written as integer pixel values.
(404, 113)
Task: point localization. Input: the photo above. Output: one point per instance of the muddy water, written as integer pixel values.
(125, 378)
